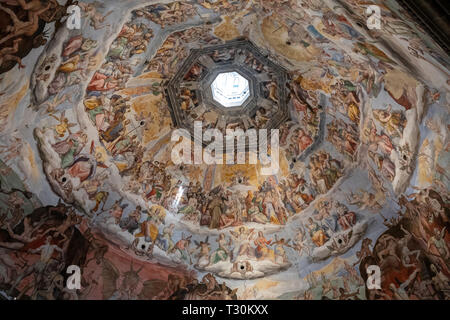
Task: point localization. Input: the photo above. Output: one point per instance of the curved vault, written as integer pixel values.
(191, 90)
(362, 116)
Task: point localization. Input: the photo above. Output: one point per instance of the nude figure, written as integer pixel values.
(7, 54)
(95, 18)
(27, 28)
(390, 244)
(71, 220)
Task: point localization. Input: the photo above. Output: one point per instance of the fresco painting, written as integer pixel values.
(87, 178)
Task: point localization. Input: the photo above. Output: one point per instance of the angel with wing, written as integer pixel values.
(203, 255)
(243, 237)
(52, 105)
(95, 18)
(63, 126)
(279, 245)
(301, 244)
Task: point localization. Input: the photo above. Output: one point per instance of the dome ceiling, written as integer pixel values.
(87, 142)
(194, 92)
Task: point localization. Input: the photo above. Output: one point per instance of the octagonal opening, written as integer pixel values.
(230, 89)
